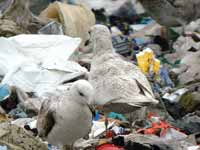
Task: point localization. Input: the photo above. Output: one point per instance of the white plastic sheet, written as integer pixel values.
(45, 48)
(38, 63)
(99, 128)
(194, 148)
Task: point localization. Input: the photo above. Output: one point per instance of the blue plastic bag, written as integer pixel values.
(4, 92)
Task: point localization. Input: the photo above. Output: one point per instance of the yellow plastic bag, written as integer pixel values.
(147, 61)
(149, 54)
(156, 66)
(142, 62)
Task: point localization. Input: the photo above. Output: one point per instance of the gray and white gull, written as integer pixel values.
(66, 118)
(119, 85)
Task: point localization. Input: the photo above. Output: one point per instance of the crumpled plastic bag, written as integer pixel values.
(76, 19)
(147, 61)
(38, 63)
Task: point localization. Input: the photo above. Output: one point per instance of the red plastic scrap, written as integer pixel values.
(109, 134)
(109, 147)
(151, 114)
(157, 128)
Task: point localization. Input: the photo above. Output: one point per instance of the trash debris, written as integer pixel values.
(165, 78)
(21, 122)
(17, 137)
(52, 28)
(193, 148)
(189, 124)
(193, 26)
(3, 117)
(187, 51)
(164, 9)
(10, 28)
(3, 147)
(39, 67)
(98, 128)
(36, 6)
(161, 128)
(176, 96)
(17, 21)
(131, 61)
(116, 116)
(4, 92)
(109, 147)
(147, 61)
(75, 19)
(29, 124)
(150, 29)
(122, 45)
(17, 113)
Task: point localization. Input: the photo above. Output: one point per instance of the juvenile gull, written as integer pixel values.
(65, 118)
(119, 85)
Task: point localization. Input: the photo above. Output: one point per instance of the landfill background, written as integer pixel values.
(44, 50)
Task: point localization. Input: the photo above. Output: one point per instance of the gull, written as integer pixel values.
(65, 118)
(119, 86)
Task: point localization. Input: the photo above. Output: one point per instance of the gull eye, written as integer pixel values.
(81, 94)
(87, 43)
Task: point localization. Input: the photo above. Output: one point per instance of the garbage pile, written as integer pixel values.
(125, 83)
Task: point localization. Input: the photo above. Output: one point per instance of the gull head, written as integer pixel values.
(100, 39)
(84, 91)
